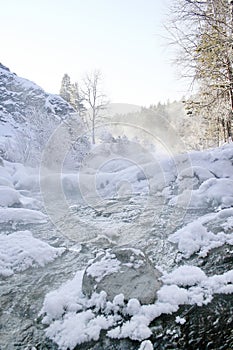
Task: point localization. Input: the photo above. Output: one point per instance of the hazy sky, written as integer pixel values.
(43, 39)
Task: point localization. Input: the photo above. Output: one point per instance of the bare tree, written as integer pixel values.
(95, 100)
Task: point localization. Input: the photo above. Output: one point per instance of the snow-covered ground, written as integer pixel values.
(19, 250)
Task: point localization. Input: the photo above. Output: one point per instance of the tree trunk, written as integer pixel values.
(93, 127)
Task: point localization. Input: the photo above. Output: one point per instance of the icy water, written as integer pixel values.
(137, 221)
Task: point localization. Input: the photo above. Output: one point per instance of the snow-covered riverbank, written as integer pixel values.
(178, 210)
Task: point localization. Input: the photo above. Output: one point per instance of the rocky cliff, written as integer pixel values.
(28, 117)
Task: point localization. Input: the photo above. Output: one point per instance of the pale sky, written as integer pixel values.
(43, 39)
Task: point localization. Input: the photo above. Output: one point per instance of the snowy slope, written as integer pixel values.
(28, 116)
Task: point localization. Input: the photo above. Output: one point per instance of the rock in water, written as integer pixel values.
(122, 270)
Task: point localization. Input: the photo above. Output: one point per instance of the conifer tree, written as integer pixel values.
(77, 101)
(65, 90)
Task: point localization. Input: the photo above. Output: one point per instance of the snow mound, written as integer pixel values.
(22, 216)
(185, 276)
(20, 250)
(195, 237)
(146, 345)
(5, 175)
(212, 192)
(25, 181)
(193, 177)
(9, 197)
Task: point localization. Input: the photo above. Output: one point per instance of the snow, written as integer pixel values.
(9, 197)
(20, 250)
(5, 182)
(198, 180)
(27, 84)
(82, 327)
(136, 329)
(146, 345)
(204, 179)
(107, 265)
(4, 174)
(185, 276)
(201, 180)
(133, 307)
(65, 298)
(180, 320)
(212, 192)
(25, 178)
(73, 319)
(22, 216)
(195, 237)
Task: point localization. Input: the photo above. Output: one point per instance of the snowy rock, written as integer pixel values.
(20, 250)
(9, 197)
(22, 216)
(122, 270)
(23, 180)
(5, 182)
(4, 175)
(195, 237)
(193, 177)
(146, 345)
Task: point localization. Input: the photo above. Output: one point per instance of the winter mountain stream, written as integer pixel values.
(42, 250)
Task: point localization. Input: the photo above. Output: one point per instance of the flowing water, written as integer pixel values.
(136, 221)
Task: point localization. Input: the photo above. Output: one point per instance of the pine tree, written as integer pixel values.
(65, 90)
(77, 101)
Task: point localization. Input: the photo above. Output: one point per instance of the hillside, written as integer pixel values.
(28, 116)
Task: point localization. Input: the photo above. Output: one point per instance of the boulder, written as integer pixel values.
(122, 270)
